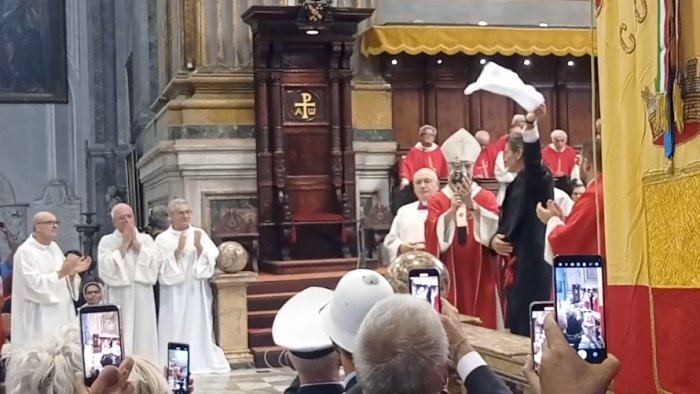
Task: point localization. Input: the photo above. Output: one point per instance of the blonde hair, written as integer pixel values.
(47, 365)
(147, 377)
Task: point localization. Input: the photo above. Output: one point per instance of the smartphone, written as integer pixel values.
(424, 283)
(178, 367)
(580, 304)
(101, 337)
(538, 311)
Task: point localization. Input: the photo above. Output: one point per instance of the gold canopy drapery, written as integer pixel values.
(472, 40)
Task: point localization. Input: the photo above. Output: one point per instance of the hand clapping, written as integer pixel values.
(181, 243)
(198, 242)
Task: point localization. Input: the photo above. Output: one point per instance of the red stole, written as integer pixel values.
(472, 270)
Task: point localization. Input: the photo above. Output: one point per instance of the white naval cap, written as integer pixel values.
(355, 294)
(297, 326)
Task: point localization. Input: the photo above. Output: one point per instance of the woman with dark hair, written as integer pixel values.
(520, 235)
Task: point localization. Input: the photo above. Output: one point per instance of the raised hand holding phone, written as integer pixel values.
(579, 302)
(101, 338)
(424, 283)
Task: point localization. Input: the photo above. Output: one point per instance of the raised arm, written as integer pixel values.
(539, 180)
(172, 271)
(41, 287)
(147, 263)
(205, 263)
(112, 268)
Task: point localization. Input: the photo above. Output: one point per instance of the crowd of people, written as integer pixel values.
(499, 248)
(159, 281)
(397, 343)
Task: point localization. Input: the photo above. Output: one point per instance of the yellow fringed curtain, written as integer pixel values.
(472, 40)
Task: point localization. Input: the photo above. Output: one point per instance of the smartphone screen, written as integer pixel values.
(580, 305)
(100, 330)
(178, 367)
(425, 284)
(538, 311)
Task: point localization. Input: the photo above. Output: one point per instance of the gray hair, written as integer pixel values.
(516, 142)
(322, 369)
(176, 202)
(159, 218)
(116, 207)
(46, 365)
(401, 348)
(147, 377)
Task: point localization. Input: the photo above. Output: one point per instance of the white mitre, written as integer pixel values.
(461, 146)
(504, 82)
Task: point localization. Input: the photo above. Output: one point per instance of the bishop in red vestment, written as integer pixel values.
(580, 232)
(472, 268)
(425, 154)
(559, 157)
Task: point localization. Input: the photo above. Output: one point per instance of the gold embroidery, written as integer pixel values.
(628, 48)
(640, 10)
(690, 92)
(657, 112)
(671, 208)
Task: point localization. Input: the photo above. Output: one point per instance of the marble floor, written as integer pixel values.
(241, 381)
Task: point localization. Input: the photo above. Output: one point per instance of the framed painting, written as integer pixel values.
(33, 51)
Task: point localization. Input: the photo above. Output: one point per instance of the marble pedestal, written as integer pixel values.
(231, 316)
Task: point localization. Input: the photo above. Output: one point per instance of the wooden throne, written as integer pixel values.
(305, 157)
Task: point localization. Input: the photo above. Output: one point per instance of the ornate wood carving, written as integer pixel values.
(306, 165)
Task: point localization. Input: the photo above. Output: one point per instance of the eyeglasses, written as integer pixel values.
(51, 222)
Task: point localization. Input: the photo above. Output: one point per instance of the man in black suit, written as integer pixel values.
(297, 328)
(402, 348)
(520, 235)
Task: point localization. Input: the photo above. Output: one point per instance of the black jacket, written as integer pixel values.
(522, 228)
(480, 381)
(327, 388)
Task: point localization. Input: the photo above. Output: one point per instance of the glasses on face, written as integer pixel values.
(51, 222)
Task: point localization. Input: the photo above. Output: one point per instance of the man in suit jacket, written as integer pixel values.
(297, 328)
(520, 235)
(402, 348)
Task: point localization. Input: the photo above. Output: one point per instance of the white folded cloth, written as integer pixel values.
(502, 81)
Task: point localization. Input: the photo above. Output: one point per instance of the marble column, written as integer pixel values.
(231, 316)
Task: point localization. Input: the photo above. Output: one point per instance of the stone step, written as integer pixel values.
(268, 357)
(268, 302)
(285, 267)
(260, 337)
(261, 319)
(268, 283)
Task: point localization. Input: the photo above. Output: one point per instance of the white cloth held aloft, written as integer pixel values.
(129, 281)
(41, 301)
(185, 314)
(502, 81)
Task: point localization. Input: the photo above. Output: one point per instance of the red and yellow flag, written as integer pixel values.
(652, 208)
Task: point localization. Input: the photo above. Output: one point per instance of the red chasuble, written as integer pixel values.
(578, 234)
(419, 157)
(501, 143)
(471, 267)
(559, 163)
(485, 164)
